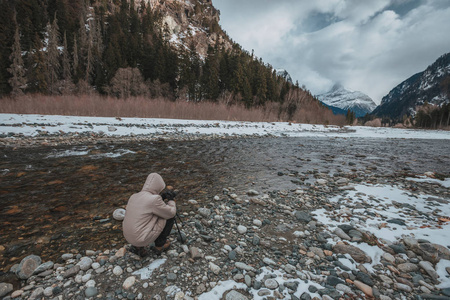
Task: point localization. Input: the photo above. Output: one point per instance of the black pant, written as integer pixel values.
(162, 238)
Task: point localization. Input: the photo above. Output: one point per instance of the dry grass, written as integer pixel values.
(99, 106)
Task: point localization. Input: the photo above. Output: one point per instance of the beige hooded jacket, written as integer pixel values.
(146, 213)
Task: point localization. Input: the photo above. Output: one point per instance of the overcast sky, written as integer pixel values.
(366, 45)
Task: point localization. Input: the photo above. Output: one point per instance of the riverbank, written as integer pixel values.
(283, 217)
(298, 244)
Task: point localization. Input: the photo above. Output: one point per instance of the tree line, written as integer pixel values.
(118, 47)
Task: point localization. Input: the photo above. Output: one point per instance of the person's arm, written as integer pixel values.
(164, 210)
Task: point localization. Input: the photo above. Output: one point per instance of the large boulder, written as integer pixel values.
(5, 289)
(432, 252)
(357, 254)
(27, 266)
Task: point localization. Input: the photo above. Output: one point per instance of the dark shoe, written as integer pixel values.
(140, 251)
(163, 248)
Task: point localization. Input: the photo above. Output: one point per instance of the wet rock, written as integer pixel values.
(303, 217)
(264, 292)
(321, 182)
(407, 267)
(235, 295)
(214, 268)
(432, 252)
(389, 257)
(397, 221)
(72, 271)
(129, 282)
(257, 222)
(85, 263)
(344, 288)
(364, 278)
(252, 193)
(333, 280)
(398, 248)
(340, 233)
(245, 267)
(37, 293)
(433, 297)
(90, 292)
(195, 253)
(43, 267)
(446, 292)
(402, 287)
(271, 284)
(67, 256)
(201, 288)
(242, 229)
(386, 279)
(428, 267)
(357, 254)
(5, 289)
(27, 266)
(117, 271)
(48, 291)
(205, 212)
(16, 294)
(269, 261)
(410, 242)
(364, 288)
(346, 227)
(57, 290)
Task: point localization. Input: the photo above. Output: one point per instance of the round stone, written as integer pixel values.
(242, 229)
(129, 282)
(119, 214)
(90, 292)
(257, 222)
(271, 283)
(117, 271)
(85, 263)
(91, 283)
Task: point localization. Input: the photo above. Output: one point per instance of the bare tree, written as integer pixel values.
(128, 82)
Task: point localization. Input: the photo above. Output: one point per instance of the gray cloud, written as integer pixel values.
(369, 46)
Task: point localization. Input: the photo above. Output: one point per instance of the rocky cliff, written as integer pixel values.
(431, 85)
(191, 24)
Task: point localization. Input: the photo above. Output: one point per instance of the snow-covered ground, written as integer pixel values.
(34, 125)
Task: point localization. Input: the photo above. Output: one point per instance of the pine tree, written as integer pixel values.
(37, 66)
(53, 64)
(18, 80)
(67, 73)
(76, 60)
(210, 76)
(350, 117)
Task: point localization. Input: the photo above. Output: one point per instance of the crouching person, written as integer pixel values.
(148, 218)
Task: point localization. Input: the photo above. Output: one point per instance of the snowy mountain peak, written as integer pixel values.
(346, 99)
(431, 85)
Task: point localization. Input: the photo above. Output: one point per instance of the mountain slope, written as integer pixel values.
(431, 85)
(345, 99)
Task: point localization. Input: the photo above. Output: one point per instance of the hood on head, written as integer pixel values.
(154, 184)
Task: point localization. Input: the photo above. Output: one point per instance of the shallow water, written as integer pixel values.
(57, 199)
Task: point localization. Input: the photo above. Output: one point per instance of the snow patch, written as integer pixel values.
(147, 271)
(38, 125)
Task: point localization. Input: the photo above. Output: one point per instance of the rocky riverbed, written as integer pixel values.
(264, 218)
